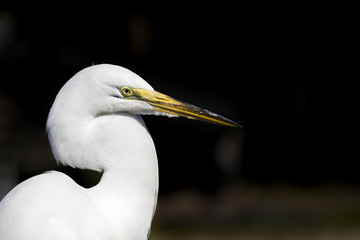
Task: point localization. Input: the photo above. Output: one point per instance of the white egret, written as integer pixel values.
(95, 124)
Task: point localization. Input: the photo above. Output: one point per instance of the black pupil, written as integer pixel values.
(126, 91)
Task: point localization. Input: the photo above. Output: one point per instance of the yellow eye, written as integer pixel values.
(126, 91)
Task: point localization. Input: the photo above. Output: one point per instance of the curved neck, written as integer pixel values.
(121, 146)
(127, 192)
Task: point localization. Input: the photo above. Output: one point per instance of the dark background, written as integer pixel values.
(283, 72)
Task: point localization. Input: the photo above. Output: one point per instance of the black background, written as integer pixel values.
(284, 72)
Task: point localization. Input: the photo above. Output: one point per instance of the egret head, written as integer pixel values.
(107, 89)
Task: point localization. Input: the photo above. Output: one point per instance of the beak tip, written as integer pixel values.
(234, 124)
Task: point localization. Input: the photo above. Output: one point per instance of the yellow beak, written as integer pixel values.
(164, 103)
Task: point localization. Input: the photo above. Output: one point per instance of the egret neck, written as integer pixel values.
(129, 185)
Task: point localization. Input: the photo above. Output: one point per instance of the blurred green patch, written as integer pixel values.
(278, 212)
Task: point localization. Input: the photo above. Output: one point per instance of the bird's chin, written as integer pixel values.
(164, 114)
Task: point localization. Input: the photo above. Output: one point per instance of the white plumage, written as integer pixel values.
(94, 123)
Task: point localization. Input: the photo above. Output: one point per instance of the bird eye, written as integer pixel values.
(126, 91)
